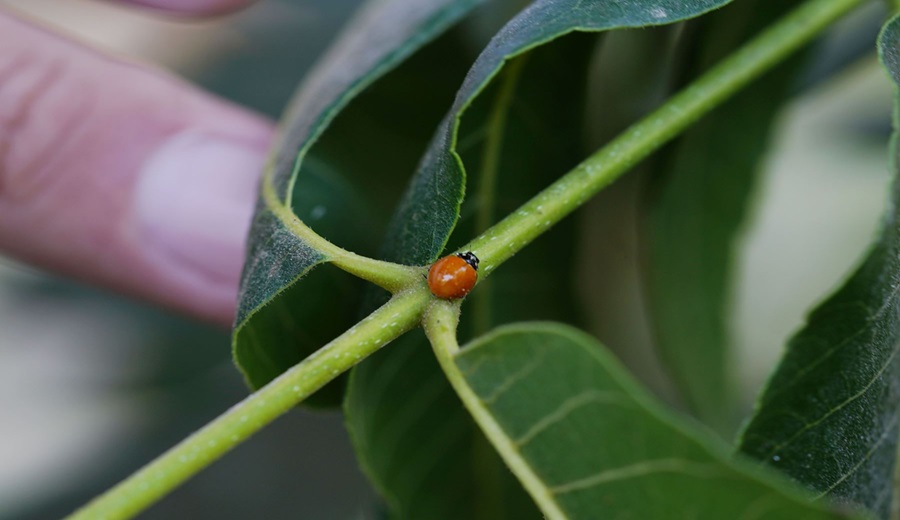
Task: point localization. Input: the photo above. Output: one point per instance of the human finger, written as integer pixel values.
(121, 175)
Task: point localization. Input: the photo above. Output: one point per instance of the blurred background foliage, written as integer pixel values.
(93, 385)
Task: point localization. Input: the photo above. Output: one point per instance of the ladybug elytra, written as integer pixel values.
(453, 276)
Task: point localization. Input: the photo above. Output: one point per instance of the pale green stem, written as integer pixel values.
(387, 275)
(490, 171)
(173, 467)
(551, 205)
(494, 246)
(440, 323)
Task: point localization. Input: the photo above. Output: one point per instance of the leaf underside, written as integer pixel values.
(550, 386)
(828, 417)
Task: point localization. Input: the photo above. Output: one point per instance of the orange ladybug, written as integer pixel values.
(453, 276)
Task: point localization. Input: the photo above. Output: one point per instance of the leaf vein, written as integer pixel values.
(565, 408)
(867, 324)
(840, 406)
(514, 378)
(640, 469)
(867, 457)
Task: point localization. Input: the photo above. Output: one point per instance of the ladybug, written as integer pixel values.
(453, 276)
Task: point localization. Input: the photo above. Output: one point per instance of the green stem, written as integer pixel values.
(440, 323)
(784, 37)
(208, 444)
(387, 275)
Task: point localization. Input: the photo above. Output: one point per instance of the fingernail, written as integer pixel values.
(194, 200)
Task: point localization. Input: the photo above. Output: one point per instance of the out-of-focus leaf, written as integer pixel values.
(598, 446)
(829, 415)
(279, 320)
(379, 391)
(700, 191)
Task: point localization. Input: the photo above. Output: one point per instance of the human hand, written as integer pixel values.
(122, 176)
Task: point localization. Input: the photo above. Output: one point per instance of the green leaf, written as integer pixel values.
(544, 87)
(828, 417)
(278, 323)
(590, 443)
(700, 190)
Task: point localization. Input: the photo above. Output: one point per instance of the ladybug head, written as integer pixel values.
(470, 259)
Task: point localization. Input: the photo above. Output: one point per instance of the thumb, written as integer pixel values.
(122, 176)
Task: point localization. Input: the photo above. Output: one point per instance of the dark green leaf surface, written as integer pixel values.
(700, 190)
(378, 391)
(598, 443)
(829, 415)
(279, 320)
(429, 211)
